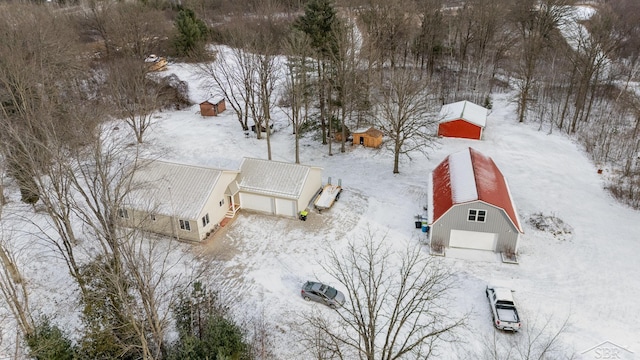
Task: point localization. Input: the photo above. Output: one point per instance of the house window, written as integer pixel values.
(184, 225)
(205, 220)
(123, 213)
(221, 202)
(477, 215)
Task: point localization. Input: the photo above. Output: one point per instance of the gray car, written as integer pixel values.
(322, 293)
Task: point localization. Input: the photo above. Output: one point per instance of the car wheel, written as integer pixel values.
(306, 298)
(333, 306)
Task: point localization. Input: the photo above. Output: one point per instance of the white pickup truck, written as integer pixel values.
(503, 309)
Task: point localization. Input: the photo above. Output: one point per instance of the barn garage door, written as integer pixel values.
(473, 240)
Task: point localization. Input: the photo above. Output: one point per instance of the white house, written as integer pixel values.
(184, 201)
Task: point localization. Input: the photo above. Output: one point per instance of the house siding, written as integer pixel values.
(312, 185)
(496, 222)
(212, 205)
(163, 225)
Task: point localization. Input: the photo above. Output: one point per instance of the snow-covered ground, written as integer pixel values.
(590, 276)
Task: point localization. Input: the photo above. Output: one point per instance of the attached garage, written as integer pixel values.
(275, 187)
(462, 119)
(473, 240)
(470, 205)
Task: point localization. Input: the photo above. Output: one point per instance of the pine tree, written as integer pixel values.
(320, 22)
(192, 34)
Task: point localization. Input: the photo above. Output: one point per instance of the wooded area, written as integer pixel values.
(67, 67)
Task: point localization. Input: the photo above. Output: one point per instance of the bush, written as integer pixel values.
(204, 330)
(48, 342)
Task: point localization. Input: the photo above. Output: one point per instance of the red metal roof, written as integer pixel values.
(491, 186)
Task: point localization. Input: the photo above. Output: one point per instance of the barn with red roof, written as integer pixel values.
(470, 205)
(462, 119)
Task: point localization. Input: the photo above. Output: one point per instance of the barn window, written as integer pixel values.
(152, 217)
(205, 220)
(123, 213)
(477, 215)
(184, 225)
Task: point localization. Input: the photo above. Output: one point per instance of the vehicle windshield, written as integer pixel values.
(331, 292)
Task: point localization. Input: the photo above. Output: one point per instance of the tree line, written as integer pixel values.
(393, 65)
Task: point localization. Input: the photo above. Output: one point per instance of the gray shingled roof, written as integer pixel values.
(272, 178)
(175, 189)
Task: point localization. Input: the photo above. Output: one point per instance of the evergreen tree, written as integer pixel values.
(49, 343)
(192, 34)
(320, 23)
(204, 330)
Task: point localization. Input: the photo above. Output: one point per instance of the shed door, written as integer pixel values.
(473, 240)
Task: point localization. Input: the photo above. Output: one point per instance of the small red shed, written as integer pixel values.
(462, 119)
(212, 107)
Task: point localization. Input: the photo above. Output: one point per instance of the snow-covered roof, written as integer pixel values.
(173, 189)
(468, 176)
(371, 131)
(328, 196)
(213, 100)
(464, 110)
(272, 178)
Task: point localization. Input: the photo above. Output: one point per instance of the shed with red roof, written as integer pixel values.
(470, 205)
(462, 119)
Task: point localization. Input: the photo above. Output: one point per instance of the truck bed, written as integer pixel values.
(507, 314)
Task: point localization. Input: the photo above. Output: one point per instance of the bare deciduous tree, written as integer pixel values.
(535, 341)
(133, 94)
(395, 303)
(405, 114)
(298, 48)
(536, 24)
(231, 79)
(127, 29)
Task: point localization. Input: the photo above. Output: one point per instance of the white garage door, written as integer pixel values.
(256, 202)
(473, 240)
(285, 207)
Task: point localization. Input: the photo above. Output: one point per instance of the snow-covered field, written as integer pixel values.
(590, 277)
